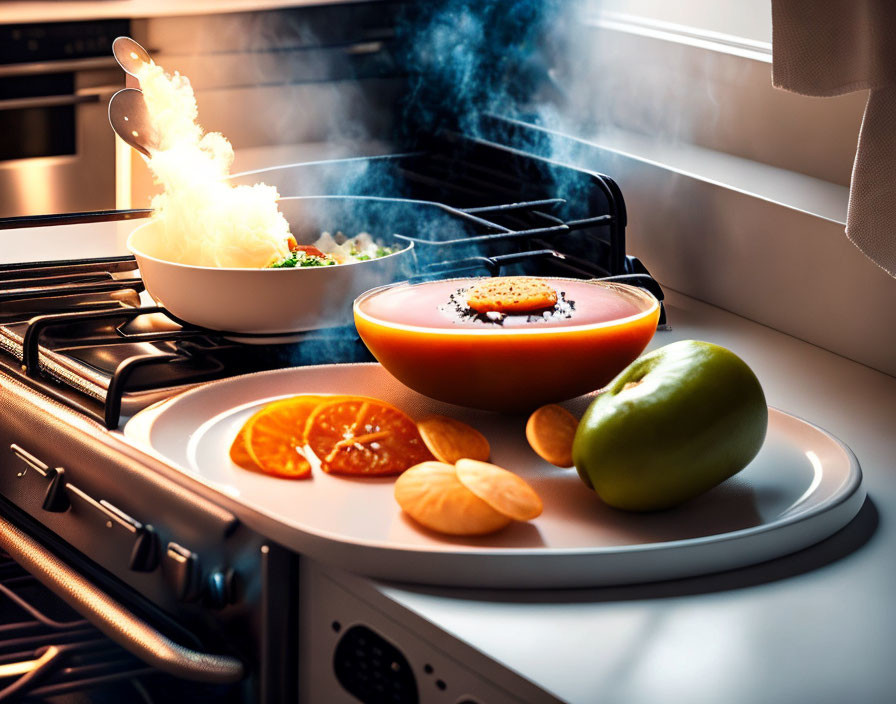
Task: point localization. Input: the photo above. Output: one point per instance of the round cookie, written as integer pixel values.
(511, 294)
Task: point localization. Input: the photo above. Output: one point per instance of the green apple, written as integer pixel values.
(673, 424)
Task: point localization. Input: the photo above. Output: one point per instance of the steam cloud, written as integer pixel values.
(200, 218)
(471, 61)
(470, 58)
(461, 62)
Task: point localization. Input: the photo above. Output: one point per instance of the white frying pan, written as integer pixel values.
(263, 305)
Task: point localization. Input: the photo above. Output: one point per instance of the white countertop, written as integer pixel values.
(816, 626)
(36, 11)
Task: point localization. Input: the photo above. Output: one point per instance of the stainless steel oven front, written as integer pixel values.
(57, 151)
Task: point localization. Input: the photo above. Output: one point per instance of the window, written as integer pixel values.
(668, 76)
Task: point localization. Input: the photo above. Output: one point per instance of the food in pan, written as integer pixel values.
(203, 219)
(329, 250)
(672, 425)
(550, 431)
(471, 498)
(430, 338)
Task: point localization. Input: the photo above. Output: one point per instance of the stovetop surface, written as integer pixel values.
(87, 332)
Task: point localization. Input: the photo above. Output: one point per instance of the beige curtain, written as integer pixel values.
(830, 47)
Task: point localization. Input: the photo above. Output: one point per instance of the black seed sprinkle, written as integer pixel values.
(458, 311)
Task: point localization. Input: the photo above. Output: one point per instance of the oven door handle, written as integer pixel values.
(48, 101)
(113, 619)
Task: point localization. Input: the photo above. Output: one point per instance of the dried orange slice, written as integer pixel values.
(274, 436)
(239, 455)
(431, 494)
(449, 440)
(502, 490)
(550, 432)
(362, 436)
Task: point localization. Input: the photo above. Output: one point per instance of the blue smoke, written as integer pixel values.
(467, 58)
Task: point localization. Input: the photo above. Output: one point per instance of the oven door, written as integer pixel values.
(57, 150)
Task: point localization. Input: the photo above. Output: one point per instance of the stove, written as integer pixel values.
(164, 571)
(82, 332)
(142, 583)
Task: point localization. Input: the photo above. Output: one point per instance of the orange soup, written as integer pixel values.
(429, 339)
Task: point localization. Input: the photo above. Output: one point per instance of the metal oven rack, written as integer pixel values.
(46, 650)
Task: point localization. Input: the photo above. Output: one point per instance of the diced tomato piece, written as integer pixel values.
(308, 249)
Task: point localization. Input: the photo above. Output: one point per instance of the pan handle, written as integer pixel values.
(113, 619)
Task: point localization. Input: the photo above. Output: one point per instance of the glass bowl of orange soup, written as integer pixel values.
(427, 337)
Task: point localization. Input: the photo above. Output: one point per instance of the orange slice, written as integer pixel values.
(502, 490)
(239, 455)
(431, 494)
(274, 437)
(450, 440)
(550, 432)
(361, 436)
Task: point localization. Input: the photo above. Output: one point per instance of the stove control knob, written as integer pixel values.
(220, 588)
(56, 498)
(181, 567)
(145, 553)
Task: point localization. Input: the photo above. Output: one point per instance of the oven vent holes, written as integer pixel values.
(372, 669)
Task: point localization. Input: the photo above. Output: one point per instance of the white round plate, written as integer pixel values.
(802, 486)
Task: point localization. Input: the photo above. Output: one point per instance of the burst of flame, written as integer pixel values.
(202, 219)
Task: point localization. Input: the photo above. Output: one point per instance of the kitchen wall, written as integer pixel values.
(283, 86)
(736, 192)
